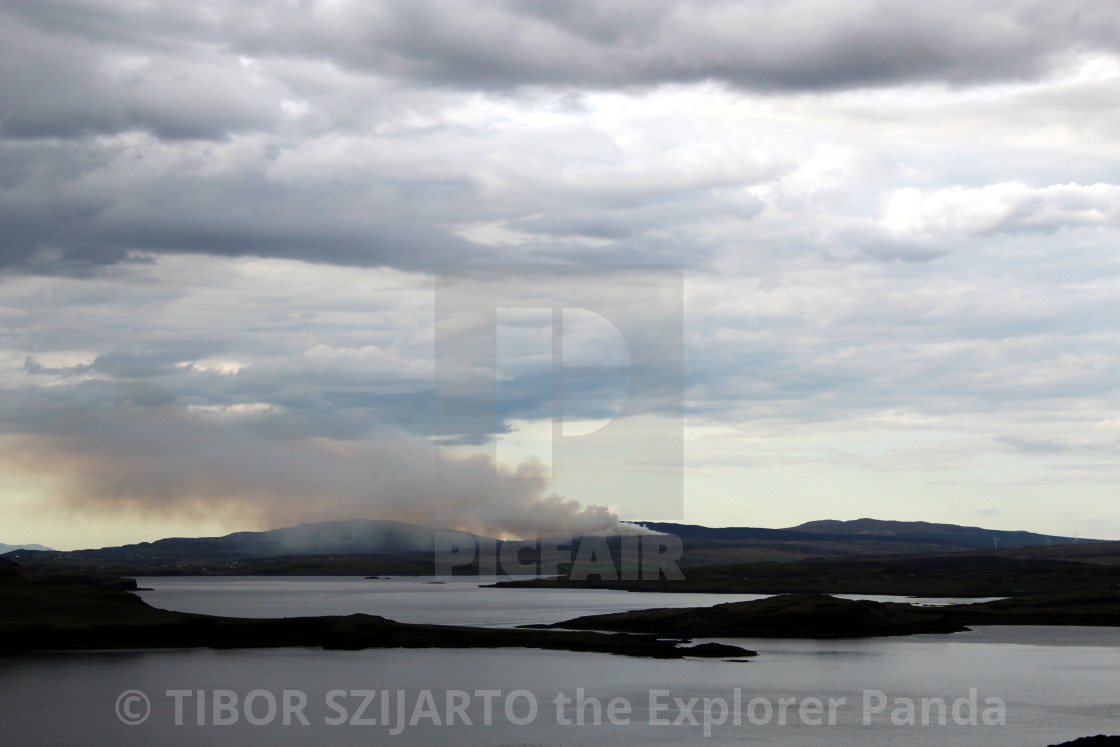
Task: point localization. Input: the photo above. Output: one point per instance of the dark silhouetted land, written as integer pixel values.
(363, 547)
(988, 573)
(822, 616)
(787, 616)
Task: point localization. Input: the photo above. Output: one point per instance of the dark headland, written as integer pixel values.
(786, 616)
(822, 616)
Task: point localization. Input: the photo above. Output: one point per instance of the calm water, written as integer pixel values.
(1055, 683)
(408, 599)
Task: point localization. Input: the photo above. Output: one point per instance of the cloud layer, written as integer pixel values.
(898, 227)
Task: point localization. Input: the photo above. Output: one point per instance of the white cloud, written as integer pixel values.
(1009, 207)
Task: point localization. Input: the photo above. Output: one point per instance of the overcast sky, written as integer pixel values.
(221, 225)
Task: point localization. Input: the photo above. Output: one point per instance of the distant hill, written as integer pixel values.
(365, 546)
(976, 537)
(838, 539)
(354, 537)
(8, 548)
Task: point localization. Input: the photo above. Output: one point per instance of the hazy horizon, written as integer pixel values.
(14, 545)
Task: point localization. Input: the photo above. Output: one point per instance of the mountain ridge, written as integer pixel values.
(6, 548)
(925, 529)
(870, 531)
(408, 548)
(345, 537)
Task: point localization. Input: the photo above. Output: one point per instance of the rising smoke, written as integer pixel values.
(175, 463)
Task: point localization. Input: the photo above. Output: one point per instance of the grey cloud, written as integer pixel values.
(124, 364)
(116, 203)
(1034, 445)
(34, 367)
(58, 79)
(901, 252)
(58, 84)
(97, 203)
(1059, 445)
(828, 342)
(617, 222)
(881, 245)
(808, 45)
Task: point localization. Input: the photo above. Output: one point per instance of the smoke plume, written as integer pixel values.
(182, 465)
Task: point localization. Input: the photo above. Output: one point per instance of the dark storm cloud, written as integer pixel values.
(808, 44)
(177, 68)
(762, 45)
(93, 203)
